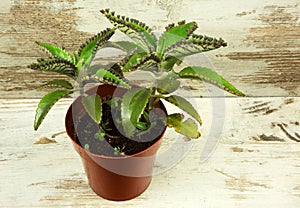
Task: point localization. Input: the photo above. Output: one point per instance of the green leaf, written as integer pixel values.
(46, 104)
(195, 44)
(167, 87)
(58, 83)
(57, 65)
(100, 135)
(129, 63)
(142, 126)
(141, 61)
(132, 107)
(173, 35)
(126, 46)
(88, 49)
(168, 84)
(169, 61)
(93, 106)
(208, 75)
(182, 49)
(55, 51)
(105, 75)
(187, 128)
(79, 65)
(117, 70)
(75, 58)
(184, 105)
(136, 30)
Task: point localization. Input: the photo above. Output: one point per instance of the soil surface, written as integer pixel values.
(114, 143)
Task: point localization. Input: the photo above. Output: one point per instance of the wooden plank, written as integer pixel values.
(262, 57)
(254, 162)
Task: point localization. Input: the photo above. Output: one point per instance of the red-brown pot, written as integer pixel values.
(113, 178)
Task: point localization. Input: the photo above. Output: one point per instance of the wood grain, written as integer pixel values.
(248, 155)
(262, 57)
(277, 42)
(254, 162)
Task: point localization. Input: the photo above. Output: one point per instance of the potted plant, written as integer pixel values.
(116, 126)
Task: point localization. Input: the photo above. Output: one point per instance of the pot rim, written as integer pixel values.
(105, 156)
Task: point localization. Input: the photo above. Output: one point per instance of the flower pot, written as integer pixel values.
(113, 178)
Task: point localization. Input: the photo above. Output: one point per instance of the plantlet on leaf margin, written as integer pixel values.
(59, 61)
(136, 114)
(161, 55)
(146, 52)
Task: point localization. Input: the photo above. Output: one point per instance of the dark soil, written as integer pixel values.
(114, 143)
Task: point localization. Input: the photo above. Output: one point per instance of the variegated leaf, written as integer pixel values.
(187, 128)
(208, 75)
(133, 105)
(93, 106)
(46, 104)
(55, 51)
(136, 30)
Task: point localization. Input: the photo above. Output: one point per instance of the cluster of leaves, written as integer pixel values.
(144, 52)
(59, 61)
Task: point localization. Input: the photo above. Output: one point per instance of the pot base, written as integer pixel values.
(113, 178)
(110, 179)
(122, 198)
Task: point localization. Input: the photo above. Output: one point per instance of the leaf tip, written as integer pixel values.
(242, 94)
(239, 93)
(198, 135)
(37, 123)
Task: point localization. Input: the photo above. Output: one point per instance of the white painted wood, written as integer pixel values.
(248, 155)
(255, 162)
(262, 57)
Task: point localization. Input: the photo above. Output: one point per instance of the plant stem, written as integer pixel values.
(152, 97)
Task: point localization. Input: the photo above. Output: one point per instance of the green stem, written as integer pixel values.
(157, 98)
(152, 97)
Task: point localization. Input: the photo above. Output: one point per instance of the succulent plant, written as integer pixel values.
(146, 52)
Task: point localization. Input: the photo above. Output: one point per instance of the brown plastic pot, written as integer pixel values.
(113, 178)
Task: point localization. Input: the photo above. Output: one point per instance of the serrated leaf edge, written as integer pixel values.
(54, 83)
(207, 79)
(36, 123)
(44, 46)
(127, 102)
(103, 36)
(88, 112)
(139, 27)
(198, 118)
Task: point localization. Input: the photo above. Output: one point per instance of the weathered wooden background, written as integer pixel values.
(262, 57)
(257, 160)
